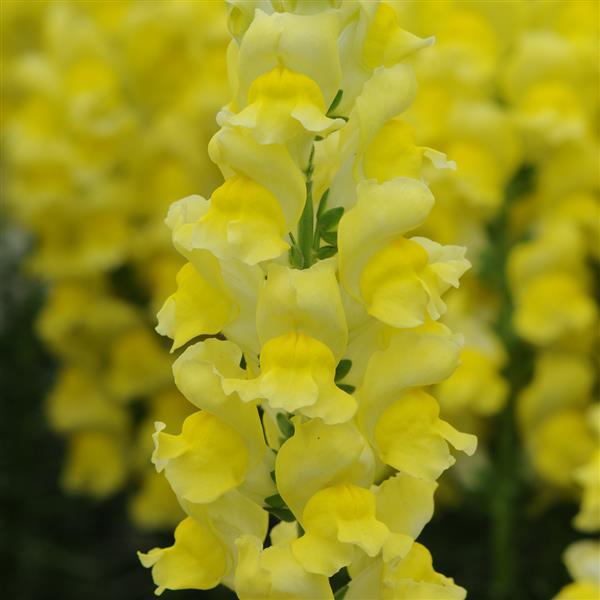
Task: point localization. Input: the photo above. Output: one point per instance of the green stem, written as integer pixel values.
(505, 493)
(306, 224)
(506, 488)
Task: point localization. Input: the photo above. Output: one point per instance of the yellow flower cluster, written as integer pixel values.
(317, 312)
(550, 275)
(107, 110)
(508, 93)
(457, 111)
(551, 272)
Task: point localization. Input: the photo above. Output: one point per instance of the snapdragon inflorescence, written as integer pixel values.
(318, 318)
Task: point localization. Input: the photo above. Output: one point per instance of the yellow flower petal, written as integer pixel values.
(588, 476)
(334, 519)
(244, 221)
(383, 213)
(582, 590)
(199, 374)
(307, 301)
(476, 386)
(406, 279)
(297, 374)
(196, 560)
(283, 533)
(271, 166)
(553, 306)
(154, 505)
(181, 218)
(393, 153)
(391, 284)
(561, 380)
(582, 561)
(558, 446)
(137, 365)
(386, 94)
(204, 461)
(414, 357)
(198, 307)
(405, 506)
(274, 573)
(411, 438)
(286, 108)
(413, 577)
(318, 456)
(386, 43)
(200, 369)
(230, 516)
(306, 44)
(77, 402)
(95, 464)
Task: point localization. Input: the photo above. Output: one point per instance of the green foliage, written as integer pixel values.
(335, 102)
(342, 369)
(326, 252)
(346, 387)
(285, 425)
(329, 220)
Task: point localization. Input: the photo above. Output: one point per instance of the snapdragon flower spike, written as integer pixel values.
(325, 348)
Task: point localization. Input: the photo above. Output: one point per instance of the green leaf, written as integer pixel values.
(310, 166)
(343, 369)
(276, 505)
(335, 102)
(320, 210)
(276, 501)
(296, 258)
(272, 474)
(322, 203)
(283, 514)
(330, 219)
(339, 594)
(326, 252)
(340, 579)
(522, 182)
(285, 425)
(306, 234)
(330, 237)
(349, 389)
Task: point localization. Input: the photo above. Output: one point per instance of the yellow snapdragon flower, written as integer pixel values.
(284, 290)
(196, 559)
(412, 577)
